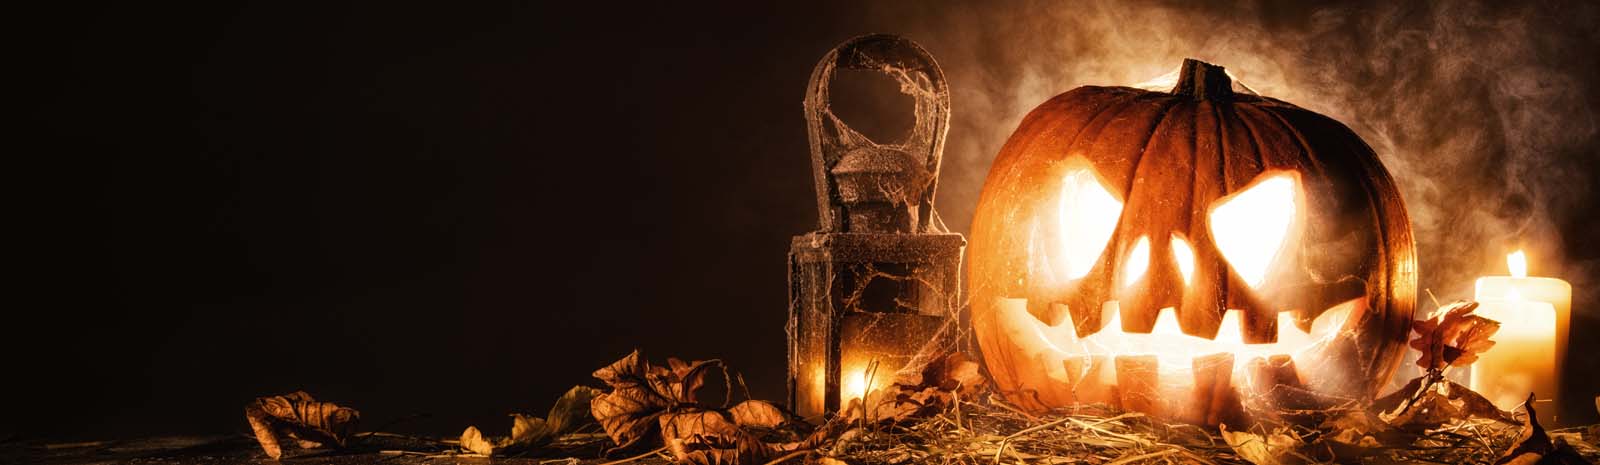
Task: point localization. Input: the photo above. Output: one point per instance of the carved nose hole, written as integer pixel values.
(873, 104)
(1137, 261)
(1184, 255)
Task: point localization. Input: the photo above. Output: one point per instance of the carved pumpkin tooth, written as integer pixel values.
(1269, 372)
(1092, 379)
(1213, 388)
(1139, 383)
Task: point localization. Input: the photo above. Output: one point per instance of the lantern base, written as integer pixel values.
(893, 298)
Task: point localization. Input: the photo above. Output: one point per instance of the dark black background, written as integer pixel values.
(452, 210)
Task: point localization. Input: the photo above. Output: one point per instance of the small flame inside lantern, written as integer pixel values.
(859, 381)
(1518, 263)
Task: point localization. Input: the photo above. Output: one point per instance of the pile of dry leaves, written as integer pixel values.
(943, 413)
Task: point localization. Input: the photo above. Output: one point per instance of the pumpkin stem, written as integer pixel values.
(1203, 81)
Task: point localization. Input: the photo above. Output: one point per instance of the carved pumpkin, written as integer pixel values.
(1212, 237)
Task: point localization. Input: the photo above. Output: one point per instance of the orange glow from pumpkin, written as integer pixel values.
(1251, 227)
(1185, 257)
(1088, 216)
(1138, 262)
(1173, 348)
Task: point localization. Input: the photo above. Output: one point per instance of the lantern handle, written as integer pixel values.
(920, 77)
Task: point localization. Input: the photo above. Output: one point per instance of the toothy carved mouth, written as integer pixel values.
(1173, 350)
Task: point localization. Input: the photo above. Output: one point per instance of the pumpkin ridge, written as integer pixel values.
(1046, 118)
(1201, 309)
(1120, 105)
(1249, 133)
(1159, 117)
(1098, 125)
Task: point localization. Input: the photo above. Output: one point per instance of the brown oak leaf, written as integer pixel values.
(1452, 336)
(628, 413)
(641, 393)
(300, 417)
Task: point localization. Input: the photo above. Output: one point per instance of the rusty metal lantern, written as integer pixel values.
(875, 289)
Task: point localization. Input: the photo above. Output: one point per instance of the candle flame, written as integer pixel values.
(1518, 263)
(855, 385)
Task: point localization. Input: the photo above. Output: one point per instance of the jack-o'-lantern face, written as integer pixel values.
(1179, 226)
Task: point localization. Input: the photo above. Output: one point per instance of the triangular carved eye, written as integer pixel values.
(1250, 227)
(1088, 215)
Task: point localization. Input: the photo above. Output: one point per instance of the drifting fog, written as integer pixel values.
(1483, 113)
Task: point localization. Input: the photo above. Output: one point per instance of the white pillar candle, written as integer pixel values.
(1534, 314)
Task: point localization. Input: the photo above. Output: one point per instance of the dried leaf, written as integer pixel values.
(1393, 401)
(1275, 448)
(1475, 405)
(962, 374)
(529, 432)
(740, 449)
(1358, 422)
(1452, 336)
(647, 398)
(567, 414)
(265, 433)
(711, 437)
(1444, 402)
(686, 379)
(1534, 446)
(921, 394)
(298, 416)
(757, 413)
(473, 440)
(628, 413)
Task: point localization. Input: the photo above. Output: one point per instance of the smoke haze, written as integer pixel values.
(1485, 121)
(464, 210)
(1484, 114)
